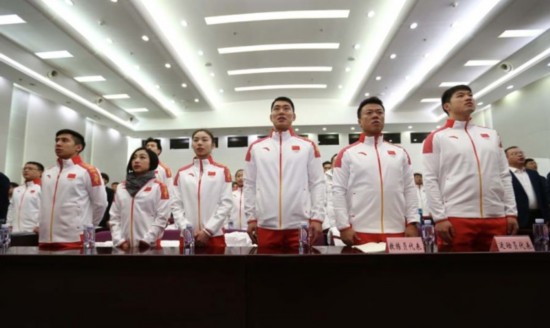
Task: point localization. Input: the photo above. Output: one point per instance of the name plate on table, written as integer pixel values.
(405, 245)
(512, 244)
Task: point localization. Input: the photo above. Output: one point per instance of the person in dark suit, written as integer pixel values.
(4, 198)
(529, 189)
(110, 196)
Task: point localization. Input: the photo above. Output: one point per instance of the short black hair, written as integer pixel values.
(77, 137)
(527, 160)
(105, 177)
(448, 94)
(153, 160)
(282, 98)
(210, 134)
(333, 157)
(507, 149)
(327, 162)
(14, 184)
(417, 174)
(371, 100)
(157, 141)
(38, 165)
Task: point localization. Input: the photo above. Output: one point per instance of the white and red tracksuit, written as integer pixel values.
(237, 214)
(25, 207)
(466, 174)
(373, 188)
(202, 196)
(73, 195)
(164, 174)
(142, 217)
(282, 171)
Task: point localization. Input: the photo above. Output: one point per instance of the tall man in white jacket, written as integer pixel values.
(466, 179)
(281, 171)
(25, 203)
(373, 185)
(73, 195)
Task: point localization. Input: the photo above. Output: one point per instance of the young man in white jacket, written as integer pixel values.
(281, 172)
(466, 179)
(163, 172)
(373, 185)
(25, 203)
(73, 195)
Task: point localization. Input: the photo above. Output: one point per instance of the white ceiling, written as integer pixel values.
(105, 38)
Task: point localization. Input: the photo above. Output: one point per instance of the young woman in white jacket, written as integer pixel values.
(202, 193)
(141, 206)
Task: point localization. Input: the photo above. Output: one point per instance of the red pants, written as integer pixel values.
(218, 241)
(375, 237)
(474, 234)
(278, 238)
(60, 246)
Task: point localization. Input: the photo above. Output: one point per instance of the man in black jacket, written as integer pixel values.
(4, 198)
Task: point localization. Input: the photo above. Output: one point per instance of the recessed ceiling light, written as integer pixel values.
(340, 86)
(410, 126)
(157, 86)
(519, 33)
(510, 87)
(407, 77)
(392, 56)
(54, 54)
(108, 41)
(221, 90)
(548, 64)
(352, 128)
(212, 74)
(114, 1)
(481, 62)
(184, 85)
(167, 65)
(367, 94)
(276, 15)
(196, 100)
(413, 25)
(145, 38)
(324, 129)
(451, 84)
(480, 103)
(371, 14)
(91, 78)
(183, 23)
(10, 19)
(136, 67)
(137, 110)
(69, 2)
(116, 96)
(285, 46)
(348, 69)
(430, 100)
(282, 86)
(357, 46)
(426, 55)
(200, 52)
(280, 70)
(378, 78)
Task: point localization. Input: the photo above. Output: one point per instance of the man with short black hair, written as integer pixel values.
(25, 204)
(110, 197)
(73, 195)
(466, 179)
(4, 197)
(163, 172)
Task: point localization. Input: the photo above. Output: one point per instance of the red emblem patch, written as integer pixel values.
(211, 173)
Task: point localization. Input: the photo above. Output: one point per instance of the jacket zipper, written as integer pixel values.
(280, 180)
(53, 201)
(478, 171)
(381, 185)
(199, 194)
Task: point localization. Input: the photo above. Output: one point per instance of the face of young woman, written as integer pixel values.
(202, 144)
(140, 162)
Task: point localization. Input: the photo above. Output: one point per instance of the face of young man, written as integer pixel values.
(372, 119)
(151, 145)
(461, 106)
(31, 172)
(239, 178)
(418, 180)
(327, 167)
(532, 165)
(515, 157)
(282, 115)
(65, 146)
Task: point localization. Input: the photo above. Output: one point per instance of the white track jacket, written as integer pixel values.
(25, 207)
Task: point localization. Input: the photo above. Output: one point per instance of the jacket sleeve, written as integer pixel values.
(340, 178)
(162, 206)
(250, 188)
(434, 194)
(98, 199)
(223, 210)
(115, 218)
(316, 180)
(411, 197)
(178, 209)
(509, 198)
(11, 214)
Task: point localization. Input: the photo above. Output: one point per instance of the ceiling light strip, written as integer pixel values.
(276, 15)
(280, 70)
(281, 86)
(29, 72)
(282, 46)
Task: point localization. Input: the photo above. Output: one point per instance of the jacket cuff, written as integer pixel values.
(315, 220)
(342, 230)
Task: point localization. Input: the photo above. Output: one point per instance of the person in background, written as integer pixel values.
(110, 195)
(529, 191)
(163, 172)
(237, 219)
(141, 207)
(373, 186)
(281, 172)
(466, 178)
(327, 166)
(73, 195)
(329, 221)
(202, 193)
(13, 185)
(421, 195)
(25, 204)
(234, 186)
(114, 185)
(4, 197)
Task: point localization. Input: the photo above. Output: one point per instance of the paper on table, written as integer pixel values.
(371, 247)
(108, 243)
(169, 243)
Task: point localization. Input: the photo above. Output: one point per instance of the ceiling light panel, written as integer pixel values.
(451, 84)
(280, 70)
(481, 62)
(54, 54)
(117, 96)
(91, 78)
(281, 87)
(282, 46)
(136, 110)
(10, 19)
(520, 33)
(277, 15)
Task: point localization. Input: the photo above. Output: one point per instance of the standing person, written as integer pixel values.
(163, 172)
(529, 191)
(110, 196)
(202, 193)
(466, 178)
(72, 196)
(141, 207)
(373, 184)
(281, 171)
(25, 204)
(237, 219)
(4, 197)
(421, 195)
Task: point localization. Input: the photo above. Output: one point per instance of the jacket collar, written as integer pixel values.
(285, 134)
(69, 162)
(374, 140)
(458, 124)
(204, 162)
